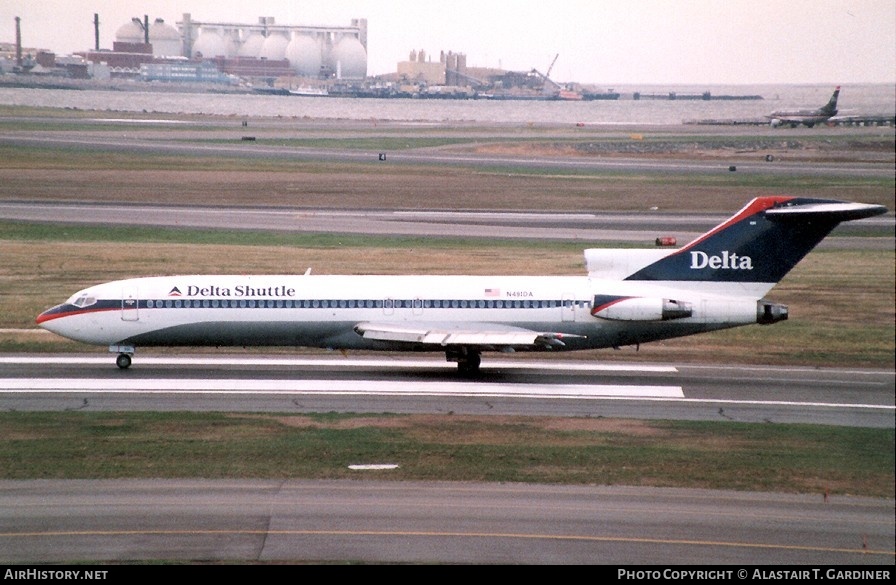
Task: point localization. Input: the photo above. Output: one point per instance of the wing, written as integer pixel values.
(482, 335)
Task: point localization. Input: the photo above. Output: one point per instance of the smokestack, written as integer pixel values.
(146, 28)
(18, 42)
(96, 30)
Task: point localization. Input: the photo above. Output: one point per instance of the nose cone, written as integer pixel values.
(54, 320)
(49, 315)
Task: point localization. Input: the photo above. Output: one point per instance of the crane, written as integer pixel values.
(548, 74)
(546, 77)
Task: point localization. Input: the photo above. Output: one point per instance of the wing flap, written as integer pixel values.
(469, 334)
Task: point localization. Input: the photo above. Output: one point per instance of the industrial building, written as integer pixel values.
(264, 50)
(268, 57)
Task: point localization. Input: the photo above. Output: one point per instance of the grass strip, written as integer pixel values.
(716, 455)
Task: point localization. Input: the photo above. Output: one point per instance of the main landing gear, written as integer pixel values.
(467, 359)
(124, 352)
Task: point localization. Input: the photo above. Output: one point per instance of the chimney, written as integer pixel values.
(96, 30)
(18, 42)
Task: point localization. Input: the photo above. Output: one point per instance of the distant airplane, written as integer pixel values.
(629, 297)
(806, 117)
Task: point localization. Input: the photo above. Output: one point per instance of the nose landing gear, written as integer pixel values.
(124, 352)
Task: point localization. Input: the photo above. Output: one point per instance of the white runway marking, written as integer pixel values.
(330, 387)
(385, 363)
(262, 385)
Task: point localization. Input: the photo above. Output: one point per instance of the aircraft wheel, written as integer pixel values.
(123, 361)
(469, 366)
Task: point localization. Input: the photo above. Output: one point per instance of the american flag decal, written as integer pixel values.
(493, 292)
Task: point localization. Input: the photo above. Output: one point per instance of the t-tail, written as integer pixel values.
(753, 250)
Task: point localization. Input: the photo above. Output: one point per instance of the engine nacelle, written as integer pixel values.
(618, 308)
(768, 313)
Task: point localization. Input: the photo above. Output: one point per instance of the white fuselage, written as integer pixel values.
(323, 311)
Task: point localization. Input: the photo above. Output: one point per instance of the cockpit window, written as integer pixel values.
(84, 300)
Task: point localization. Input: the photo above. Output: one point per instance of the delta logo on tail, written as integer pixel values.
(726, 261)
(757, 245)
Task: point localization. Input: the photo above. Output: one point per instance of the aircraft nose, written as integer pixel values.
(49, 315)
(54, 321)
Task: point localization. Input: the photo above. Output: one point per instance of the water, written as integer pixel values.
(868, 99)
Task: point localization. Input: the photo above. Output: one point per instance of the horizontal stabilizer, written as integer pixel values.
(830, 211)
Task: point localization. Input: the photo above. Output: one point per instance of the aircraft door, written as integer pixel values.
(568, 307)
(130, 305)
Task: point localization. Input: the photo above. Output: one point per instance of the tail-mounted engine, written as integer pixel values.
(768, 313)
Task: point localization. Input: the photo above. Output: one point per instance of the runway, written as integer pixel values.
(379, 521)
(382, 521)
(134, 143)
(408, 384)
(584, 227)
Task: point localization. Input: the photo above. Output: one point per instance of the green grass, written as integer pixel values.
(735, 456)
(14, 230)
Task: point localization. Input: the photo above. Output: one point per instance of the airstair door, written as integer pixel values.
(568, 307)
(130, 305)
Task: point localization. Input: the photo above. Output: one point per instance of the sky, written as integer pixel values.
(602, 42)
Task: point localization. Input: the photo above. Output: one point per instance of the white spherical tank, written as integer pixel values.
(349, 59)
(165, 39)
(304, 56)
(130, 32)
(274, 47)
(251, 47)
(209, 44)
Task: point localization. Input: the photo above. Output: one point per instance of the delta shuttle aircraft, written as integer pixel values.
(628, 297)
(808, 117)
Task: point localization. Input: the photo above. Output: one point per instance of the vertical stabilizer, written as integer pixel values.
(759, 244)
(830, 109)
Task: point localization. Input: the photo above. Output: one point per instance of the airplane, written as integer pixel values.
(806, 116)
(628, 297)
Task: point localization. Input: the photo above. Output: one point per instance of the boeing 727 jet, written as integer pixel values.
(628, 297)
(807, 117)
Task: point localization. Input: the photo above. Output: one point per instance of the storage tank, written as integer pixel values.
(274, 47)
(349, 58)
(130, 32)
(165, 39)
(209, 44)
(304, 55)
(251, 47)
